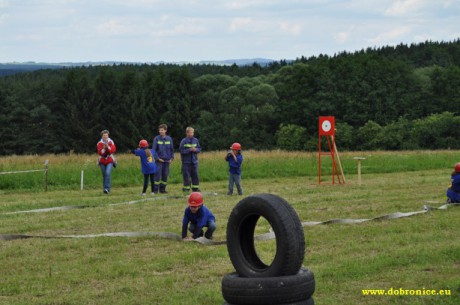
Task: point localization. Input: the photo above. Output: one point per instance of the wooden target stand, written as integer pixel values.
(326, 131)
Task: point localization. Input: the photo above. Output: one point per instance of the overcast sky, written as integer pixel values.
(194, 30)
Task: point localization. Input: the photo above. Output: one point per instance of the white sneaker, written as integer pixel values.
(143, 194)
(152, 193)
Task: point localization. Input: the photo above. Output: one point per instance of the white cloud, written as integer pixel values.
(141, 2)
(342, 37)
(424, 8)
(236, 5)
(3, 17)
(390, 37)
(244, 4)
(28, 37)
(113, 27)
(421, 38)
(402, 7)
(264, 26)
(445, 3)
(291, 28)
(181, 30)
(238, 24)
(187, 27)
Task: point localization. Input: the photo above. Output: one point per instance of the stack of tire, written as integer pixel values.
(284, 281)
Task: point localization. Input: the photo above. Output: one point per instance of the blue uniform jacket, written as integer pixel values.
(163, 147)
(148, 164)
(234, 166)
(453, 192)
(187, 156)
(199, 219)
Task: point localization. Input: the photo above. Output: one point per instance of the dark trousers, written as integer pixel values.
(190, 172)
(161, 176)
(146, 182)
(211, 225)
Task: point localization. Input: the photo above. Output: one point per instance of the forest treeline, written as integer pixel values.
(401, 97)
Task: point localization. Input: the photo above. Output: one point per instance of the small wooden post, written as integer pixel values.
(46, 175)
(359, 168)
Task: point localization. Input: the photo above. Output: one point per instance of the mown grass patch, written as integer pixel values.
(418, 252)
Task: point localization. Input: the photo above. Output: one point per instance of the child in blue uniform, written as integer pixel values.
(148, 165)
(164, 148)
(234, 159)
(453, 192)
(189, 149)
(199, 217)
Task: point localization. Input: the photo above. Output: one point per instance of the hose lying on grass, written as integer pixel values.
(204, 241)
(73, 207)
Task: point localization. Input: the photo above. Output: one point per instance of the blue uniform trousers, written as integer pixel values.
(452, 196)
(190, 172)
(211, 225)
(161, 176)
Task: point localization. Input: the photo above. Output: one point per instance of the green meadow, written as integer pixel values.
(415, 253)
(65, 170)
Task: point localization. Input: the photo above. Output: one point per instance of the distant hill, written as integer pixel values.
(240, 62)
(20, 67)
(13, 68)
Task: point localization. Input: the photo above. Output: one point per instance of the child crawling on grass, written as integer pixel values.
(453, 192)
(148, 165)
(199, 217)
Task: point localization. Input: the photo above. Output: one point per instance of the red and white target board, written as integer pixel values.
(326, 130)
(326, 125)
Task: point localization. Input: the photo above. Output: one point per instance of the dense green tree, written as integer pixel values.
(391, 97)
(437, 131)
(395, 136)
(367, 136)
(291, 137)
(344, 136)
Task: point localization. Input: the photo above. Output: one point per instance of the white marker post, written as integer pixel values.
(46, 175)
(81, 180)
(359, 168)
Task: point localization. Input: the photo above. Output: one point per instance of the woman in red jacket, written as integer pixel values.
(106, 148)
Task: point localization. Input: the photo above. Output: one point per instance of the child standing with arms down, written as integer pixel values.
(148, 165)
(453, 192)
(199, 217)
(164, 148)
(234, 159)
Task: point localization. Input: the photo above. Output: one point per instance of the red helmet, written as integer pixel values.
(143, 143)
(236, 146)
(195, 199)
(457, 167)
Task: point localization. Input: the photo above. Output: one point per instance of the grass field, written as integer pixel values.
(420, 252)
(65, 170)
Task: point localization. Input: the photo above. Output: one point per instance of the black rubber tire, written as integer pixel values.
(268, 290)
(290, 240)
(310, 301)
